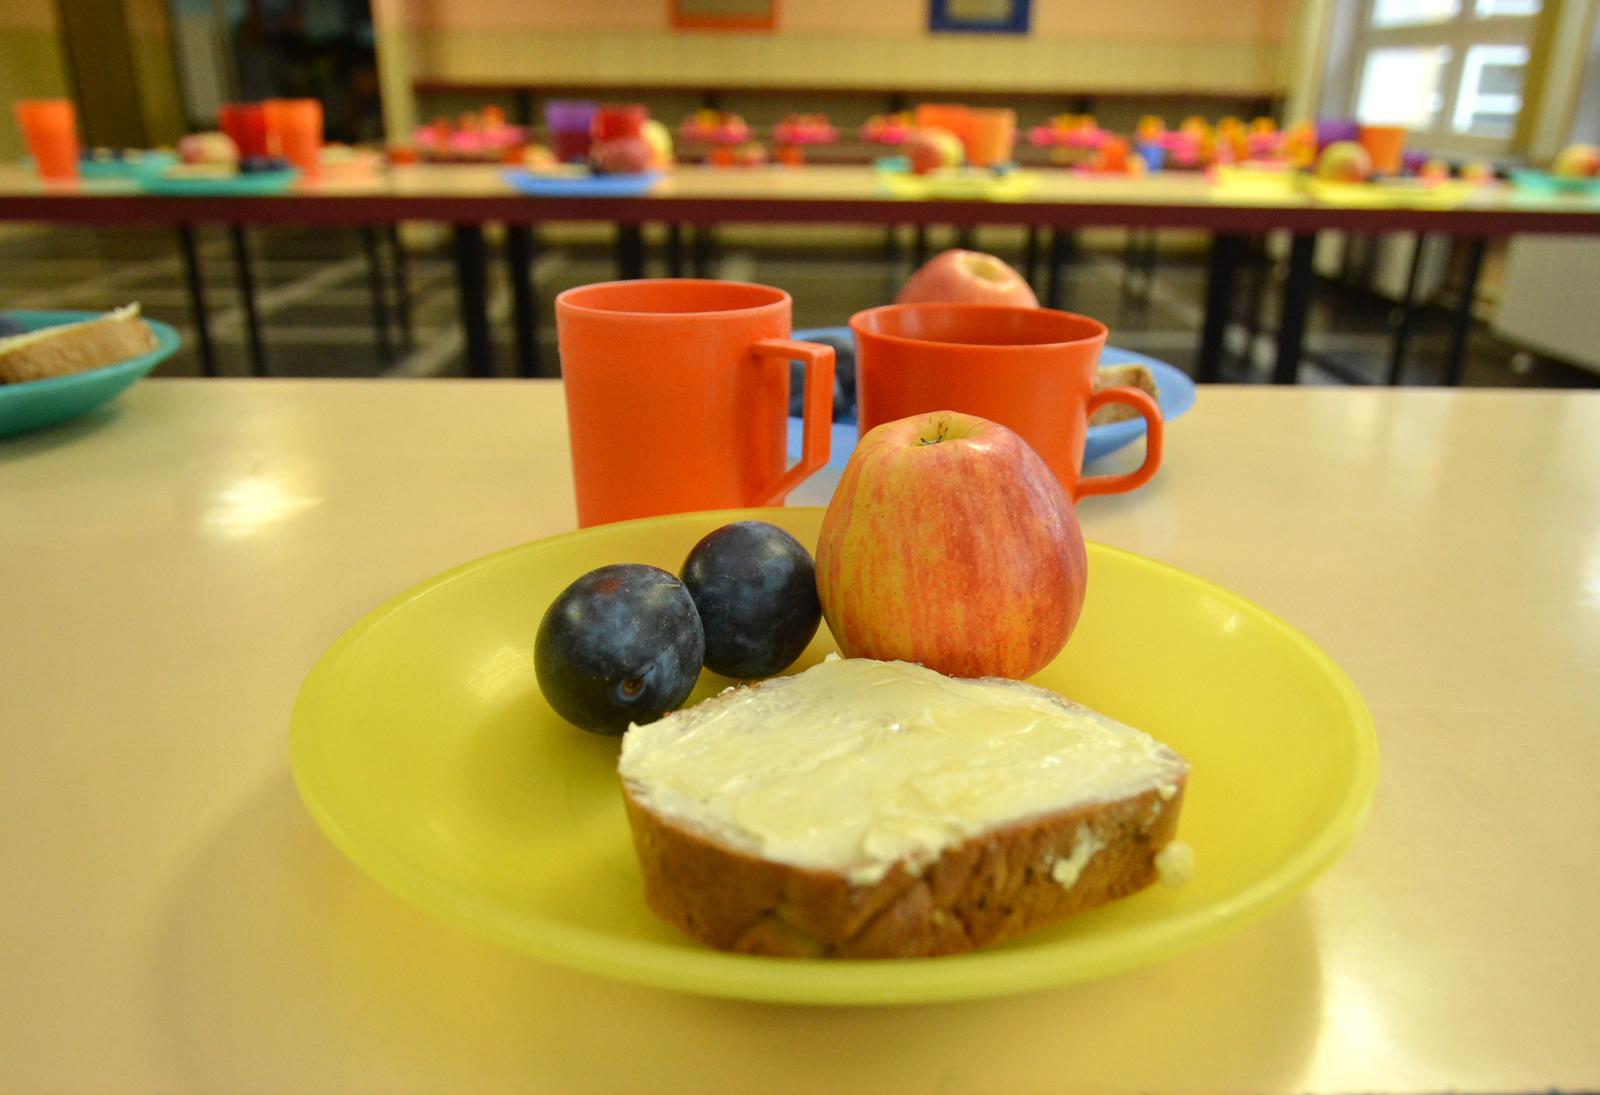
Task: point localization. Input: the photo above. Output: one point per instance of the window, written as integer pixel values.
(1449, 70)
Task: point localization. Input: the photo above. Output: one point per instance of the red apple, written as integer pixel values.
(949, 543)
(622, 156)
(933, 149)
(967, 277)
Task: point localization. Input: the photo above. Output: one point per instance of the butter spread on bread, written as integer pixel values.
(867, 808)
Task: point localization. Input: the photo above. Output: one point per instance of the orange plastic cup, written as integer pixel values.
(678, 396)
(296, 126)
(1386, 146)
(50, 129)
(1032, 369)
(949, 116)
(990, 136)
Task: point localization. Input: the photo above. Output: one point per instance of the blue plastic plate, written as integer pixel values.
(1177, 396)
(255, 184)
(1542, 182)
(582, 186)
(137, 166)
(33, 404)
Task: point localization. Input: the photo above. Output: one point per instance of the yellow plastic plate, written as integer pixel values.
(421, 745)
(960, 184)
(1402, 193)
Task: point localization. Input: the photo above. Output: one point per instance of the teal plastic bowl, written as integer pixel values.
(34, 404)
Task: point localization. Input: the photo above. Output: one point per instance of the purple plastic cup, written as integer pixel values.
(1330, 130)
(569, 122)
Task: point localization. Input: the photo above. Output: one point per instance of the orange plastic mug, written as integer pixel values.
(678, 396)
(296, 124)
(50, 129)
(1031, 369)
(990, 136)
(1386, 147)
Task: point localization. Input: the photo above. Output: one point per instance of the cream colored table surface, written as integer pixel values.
(171, 920)
(1190, 190)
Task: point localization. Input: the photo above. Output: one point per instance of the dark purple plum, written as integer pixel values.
(621, 644)
(756, 590)
(9, 327)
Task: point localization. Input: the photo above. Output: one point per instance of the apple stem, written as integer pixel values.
(944, 428)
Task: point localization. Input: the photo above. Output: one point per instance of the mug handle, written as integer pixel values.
(1150, 411)
(816, 424)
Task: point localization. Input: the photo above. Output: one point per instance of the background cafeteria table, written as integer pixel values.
(468, 198)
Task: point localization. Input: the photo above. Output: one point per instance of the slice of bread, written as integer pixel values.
(867, 809)
(75, 347)
(1131, 375)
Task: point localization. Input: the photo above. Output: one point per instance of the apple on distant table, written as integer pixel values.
(1344, 161)
(1577, 161)
(1478, 171)
(1435, 170)
(950, 543)
(622, 156)
(659, 138)
(931, 149)
(208, 148)
(967, 277)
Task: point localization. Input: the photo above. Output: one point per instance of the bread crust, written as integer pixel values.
(107, 340)
(991, 887)
(1129, 375)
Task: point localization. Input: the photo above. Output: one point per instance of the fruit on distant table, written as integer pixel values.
(930, 150)
(536, 157)
(208, 148)
(655, 134)
(967, 277)
(1577, 161)
(1478, 171)
(622, 156)
(1434, 170)
(9, 327)
(950, 543)
(752, 154)
(622, 644)
(755, 588)
(1344, 161)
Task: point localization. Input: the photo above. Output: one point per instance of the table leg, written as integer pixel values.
(919, 247)
(525, 306)
(891, 247)
(1408, 308)
(674, 250)
(1296, 303)
(1149, 264)
(1462, 331)
(472, 287)
(400, 270)
(247, 299)
(1056, 275)
(197, 298)
(1223, 267)
(967, 238)
(378, 293)
(1261, 267)
(630, 252)
(1030, 258)
(700, 256)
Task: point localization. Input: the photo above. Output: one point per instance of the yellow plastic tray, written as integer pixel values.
(421, 745)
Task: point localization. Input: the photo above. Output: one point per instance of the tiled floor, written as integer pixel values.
(316, 305)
